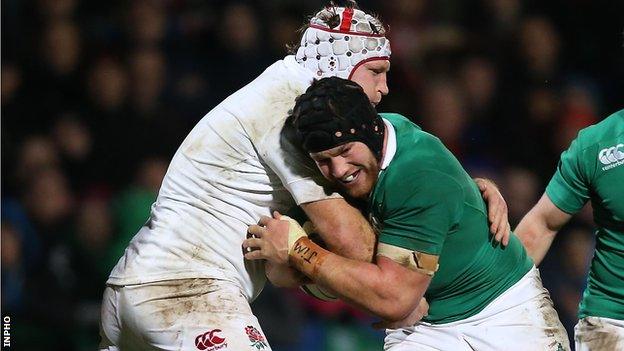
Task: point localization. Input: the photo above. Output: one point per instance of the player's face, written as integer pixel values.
(351, 166)
(371, 76)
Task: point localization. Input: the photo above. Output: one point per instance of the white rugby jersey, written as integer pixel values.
(230, 170)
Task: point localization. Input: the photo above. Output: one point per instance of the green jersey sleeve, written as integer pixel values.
(419, 214)
(568, 188)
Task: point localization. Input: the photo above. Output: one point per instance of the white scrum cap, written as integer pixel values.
(358, 38)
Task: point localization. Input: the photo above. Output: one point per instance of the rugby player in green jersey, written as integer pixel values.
(433, 236)
(592, 169)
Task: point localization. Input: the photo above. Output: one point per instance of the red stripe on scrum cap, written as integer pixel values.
(347, 15)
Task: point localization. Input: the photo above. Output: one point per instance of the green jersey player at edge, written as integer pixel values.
(592, 169)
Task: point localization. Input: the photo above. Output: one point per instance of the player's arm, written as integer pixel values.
(566, 193)
(385, 288)
(342, 227)
(538, 228)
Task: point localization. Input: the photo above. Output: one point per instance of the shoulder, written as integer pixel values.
(399, 121)
(410, 136)
(611, 129)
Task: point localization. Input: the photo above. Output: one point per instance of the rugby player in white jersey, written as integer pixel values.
(182, 283)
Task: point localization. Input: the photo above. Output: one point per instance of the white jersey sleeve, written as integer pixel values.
(276, 143)
(296, 170)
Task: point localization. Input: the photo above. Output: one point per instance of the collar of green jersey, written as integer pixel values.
(391, 146)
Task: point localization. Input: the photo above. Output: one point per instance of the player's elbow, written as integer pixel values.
(395, 312)
(396, 308)
(533, 231)
(395, 301)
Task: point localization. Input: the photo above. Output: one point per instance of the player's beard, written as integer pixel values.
(361, 187)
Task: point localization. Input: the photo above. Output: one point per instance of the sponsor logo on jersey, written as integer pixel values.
(611, 157)
(210, 341)
(257, 339)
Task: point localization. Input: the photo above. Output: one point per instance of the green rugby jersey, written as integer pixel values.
(425, 201)
(593, 169)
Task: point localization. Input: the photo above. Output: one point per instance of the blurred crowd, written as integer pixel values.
(97, 95)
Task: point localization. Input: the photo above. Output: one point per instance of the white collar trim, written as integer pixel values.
(391, 145)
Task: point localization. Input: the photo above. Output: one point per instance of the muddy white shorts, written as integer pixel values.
(522, 318)
(187, 314)
(598, 333)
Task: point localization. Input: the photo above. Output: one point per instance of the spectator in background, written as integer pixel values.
(578, 111)
(48, 298)
(493, 20)
(57, 78)
(445, 113)
(532, 78)
(242, 55)
(13, 272)
(410, 23)
(149, 77)
(284, 29)
(74, 141)
(146, 23)
(13, 105)
(540, 49)
(478, 78)
(108, 115)
(521, 188)
(36, 153)
(89, 246)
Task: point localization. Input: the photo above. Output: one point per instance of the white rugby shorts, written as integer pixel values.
(185, 314)
(599, 333)
(522, 318)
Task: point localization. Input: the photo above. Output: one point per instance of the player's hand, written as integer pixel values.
(417, 314)
(284, 276)
(269, 240)
(497, 210)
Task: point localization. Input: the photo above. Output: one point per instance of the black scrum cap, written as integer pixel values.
(334, 111)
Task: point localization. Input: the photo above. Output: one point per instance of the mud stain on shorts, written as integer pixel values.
(593, 334)
(554, 329)
(191, 300)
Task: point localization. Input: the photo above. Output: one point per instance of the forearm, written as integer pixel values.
(364, 285)
(343, 228)
(284, 276)
(538, 228)
(535, 236)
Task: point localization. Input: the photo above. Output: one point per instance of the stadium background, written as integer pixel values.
(96, 96)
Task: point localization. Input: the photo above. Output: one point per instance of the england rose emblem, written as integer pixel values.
(256, 338)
